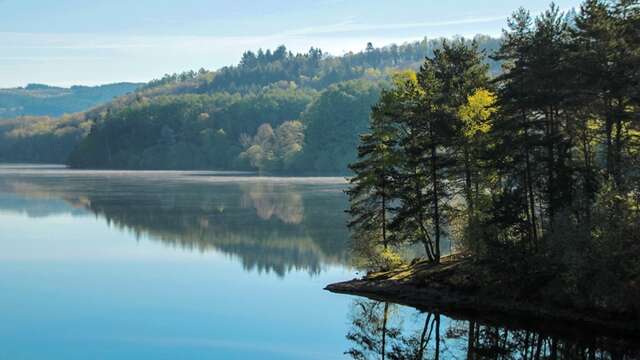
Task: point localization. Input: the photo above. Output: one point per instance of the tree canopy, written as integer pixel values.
(196, 119)
(534, 172)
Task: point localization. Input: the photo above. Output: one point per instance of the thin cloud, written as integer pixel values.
(71, 41)
(351, 26)
(51, 58)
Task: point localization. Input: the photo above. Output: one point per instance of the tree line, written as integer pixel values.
(318, 70)
(198, 119)
(44, 100)
(277, 129)
(535, 172)
(41, 139)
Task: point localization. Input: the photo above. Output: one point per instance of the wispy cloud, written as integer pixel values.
(71, 59)
(72, 41)
(76, 41)
(350, 26)
(51, 58)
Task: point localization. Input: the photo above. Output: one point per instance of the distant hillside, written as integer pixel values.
(44, 100)
(274, 111)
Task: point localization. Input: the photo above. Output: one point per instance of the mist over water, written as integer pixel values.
(161, 264)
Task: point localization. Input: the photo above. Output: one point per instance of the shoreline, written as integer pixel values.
(405, 286)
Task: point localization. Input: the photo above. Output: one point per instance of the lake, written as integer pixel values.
(193, 265)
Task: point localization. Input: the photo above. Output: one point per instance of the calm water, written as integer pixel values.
(177, 265)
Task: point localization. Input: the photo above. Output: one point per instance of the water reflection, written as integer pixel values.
(381, 330)
(269, 226)
(285, 205)
(275, 226)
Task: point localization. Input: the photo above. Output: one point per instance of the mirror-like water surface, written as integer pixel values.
(167, 265)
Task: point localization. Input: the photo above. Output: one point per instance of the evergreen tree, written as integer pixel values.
(372, 186)
(513, 156)
(542, 174)
(461, 71)
(418, 217)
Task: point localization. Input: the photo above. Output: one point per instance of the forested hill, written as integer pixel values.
(44, 100)
(275, 111)
(33, 127)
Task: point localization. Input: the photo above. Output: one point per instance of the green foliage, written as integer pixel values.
(537, 178)
(184, 131)
(371, 191)
(41, 139)
(35, 135)
(318, 70)
(333, 124)
(213, 125)
(266, 87)
(43, 100)
(271, 150)
(477, 112)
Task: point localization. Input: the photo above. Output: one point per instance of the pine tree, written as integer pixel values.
(372, 186)
(461, 71)
(513, 156)
(606, 59)
(418, 217)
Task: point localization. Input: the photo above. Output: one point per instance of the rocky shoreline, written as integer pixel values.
(422, 285)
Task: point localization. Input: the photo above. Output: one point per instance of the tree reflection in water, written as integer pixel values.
(381, 330)
(271, 226)
(285, 203)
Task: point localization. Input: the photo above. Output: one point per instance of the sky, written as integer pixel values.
(71, 42)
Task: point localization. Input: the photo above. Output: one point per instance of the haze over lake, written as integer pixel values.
(188, 265)
(160, 263)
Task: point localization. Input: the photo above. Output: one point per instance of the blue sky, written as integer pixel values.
(66, 42)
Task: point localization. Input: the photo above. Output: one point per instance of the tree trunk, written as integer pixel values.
(529, 183)
(588, 180)
(436, 200)
(468, 180)
(618, 144)
(551, 167)
(423, 345)
(426, 240)
(437, 320)
(384, 330)
(608, 128)
(471, 338)
(384, 210)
